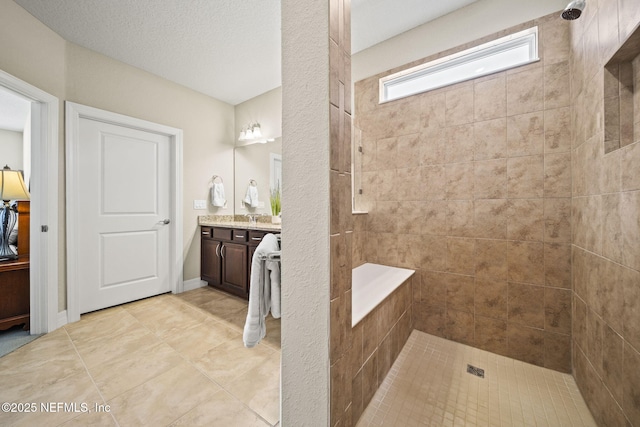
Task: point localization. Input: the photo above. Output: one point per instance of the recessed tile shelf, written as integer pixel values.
(622, 95)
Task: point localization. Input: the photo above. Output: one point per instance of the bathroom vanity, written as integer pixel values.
(226, 253)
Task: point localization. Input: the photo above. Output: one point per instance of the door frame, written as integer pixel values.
(73, 113)
(43, 256)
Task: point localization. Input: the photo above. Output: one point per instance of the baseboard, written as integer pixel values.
(192, 284)
(62, 319)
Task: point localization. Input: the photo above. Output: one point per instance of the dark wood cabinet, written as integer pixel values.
(234, 267)
(14, 278)
(211, 262)
(226, 255)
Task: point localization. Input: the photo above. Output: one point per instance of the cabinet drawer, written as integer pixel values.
(222, 233)
(205, 232)
(256, 236)
(240, 235)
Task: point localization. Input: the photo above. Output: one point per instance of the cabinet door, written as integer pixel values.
(234, 270)
(210, 263)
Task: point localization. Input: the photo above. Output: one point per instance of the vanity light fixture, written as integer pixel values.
(252, 134)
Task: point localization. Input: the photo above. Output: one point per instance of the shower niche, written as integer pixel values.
(622, 95)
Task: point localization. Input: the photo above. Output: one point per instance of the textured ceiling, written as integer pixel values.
(227, 49)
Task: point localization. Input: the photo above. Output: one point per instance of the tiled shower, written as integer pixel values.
(524, 234)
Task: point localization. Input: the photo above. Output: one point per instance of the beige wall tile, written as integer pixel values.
(525, 134)
(434, 252)
(631, 379)
(460, 326)
(526, 262)
(555, 41)
(433, 146)
(435, 217)
(460, 293)
(434, 180)
(557, 265)
(631, 167)
(409, 186)
(612, 362)
(526, 305)
(491, 298)
(491, 334)
(556, 85)
(525, 219)
(525, 344)
(557, 220)
(460, 255)
(490, 139)
(630, 214)
(557, 175)
(631, 310)
(408, 154)
(491, 259)
(594, 340)
(490, 218)
(557, 130)
(557, 352)
(459, 105)
(460, 143)
(460, 179)
(525, 177)
(490, 98)
(460, 218)
(523, 94)
(557, 310)
(433, 286)
(490, 179)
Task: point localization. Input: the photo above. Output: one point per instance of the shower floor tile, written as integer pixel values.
(428, 385)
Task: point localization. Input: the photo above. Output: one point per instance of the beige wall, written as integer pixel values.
(470, 185)
(11, 151)
(35, 54)
(306, 207)
(32, 52)
(479, 19)
(606, 212)
(252, 161)
(208, 124)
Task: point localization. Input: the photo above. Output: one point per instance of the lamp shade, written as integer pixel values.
(12, 185)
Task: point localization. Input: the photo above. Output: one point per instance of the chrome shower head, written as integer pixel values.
(573, 10)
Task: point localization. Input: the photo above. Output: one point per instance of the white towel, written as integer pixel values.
(217, 194)
(251, 198)
(264, 292)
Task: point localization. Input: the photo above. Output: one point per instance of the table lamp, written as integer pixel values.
(12, 187)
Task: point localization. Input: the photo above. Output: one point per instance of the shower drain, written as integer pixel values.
(478, 372)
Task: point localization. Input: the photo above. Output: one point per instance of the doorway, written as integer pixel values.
(43, 240)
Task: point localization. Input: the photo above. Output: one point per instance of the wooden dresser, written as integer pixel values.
(14, 278)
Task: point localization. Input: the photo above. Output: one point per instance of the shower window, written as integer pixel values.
(498, 55)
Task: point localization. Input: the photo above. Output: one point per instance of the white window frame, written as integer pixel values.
(527, 37)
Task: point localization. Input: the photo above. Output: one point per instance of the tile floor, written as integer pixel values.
(169, 360)
(428, 386)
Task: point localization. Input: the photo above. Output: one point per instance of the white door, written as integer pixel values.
(123, 223)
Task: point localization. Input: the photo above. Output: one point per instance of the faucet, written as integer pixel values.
(253, 217)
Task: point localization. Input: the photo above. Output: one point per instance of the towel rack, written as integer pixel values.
(219, 178)
(271, 256)
(253, 182)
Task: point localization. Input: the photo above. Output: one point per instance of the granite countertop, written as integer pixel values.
(219, 222)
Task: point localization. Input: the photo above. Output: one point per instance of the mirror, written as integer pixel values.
(263, 164)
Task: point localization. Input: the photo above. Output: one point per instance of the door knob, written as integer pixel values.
(166, 221)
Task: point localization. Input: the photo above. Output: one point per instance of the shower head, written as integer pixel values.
(573, 10)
